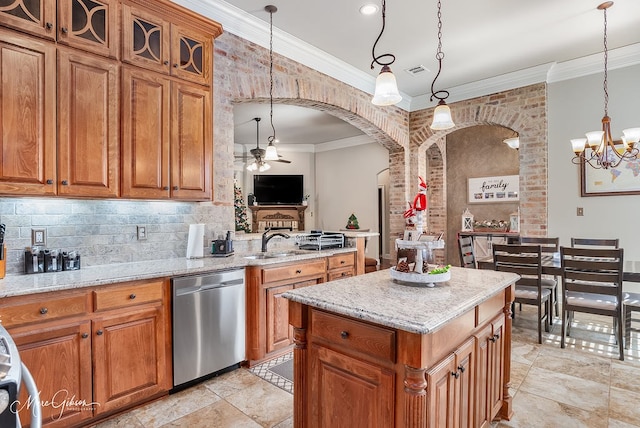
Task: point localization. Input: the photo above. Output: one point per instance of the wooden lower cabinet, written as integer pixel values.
(59, 359)
(278, 330)
(490, 369)
(103, 352)
(341, 266)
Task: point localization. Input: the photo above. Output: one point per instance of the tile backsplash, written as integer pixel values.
(105, 231)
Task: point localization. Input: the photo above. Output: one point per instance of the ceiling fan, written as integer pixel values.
(260, 155)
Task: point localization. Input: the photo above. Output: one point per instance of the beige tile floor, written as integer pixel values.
(583, 385)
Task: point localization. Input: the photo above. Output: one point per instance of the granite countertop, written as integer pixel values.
(17, 285)
(375, 297)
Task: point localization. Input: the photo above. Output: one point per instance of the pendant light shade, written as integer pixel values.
(386, 89)
(271, 153)
(386, 92)
(514, 142)
(442, 117)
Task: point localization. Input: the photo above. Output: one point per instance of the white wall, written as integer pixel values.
(346, 183)
(574, 107)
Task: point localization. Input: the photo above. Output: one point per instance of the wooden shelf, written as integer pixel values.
(289, 217)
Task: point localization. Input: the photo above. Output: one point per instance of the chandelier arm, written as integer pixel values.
(377, 59)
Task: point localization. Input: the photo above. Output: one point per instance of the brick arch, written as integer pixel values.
(514, 112)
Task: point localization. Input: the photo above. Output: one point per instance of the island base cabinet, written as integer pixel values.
(490, 369)
(348, 392)
(59, 359)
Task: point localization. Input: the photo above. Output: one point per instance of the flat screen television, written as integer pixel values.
(277, 189)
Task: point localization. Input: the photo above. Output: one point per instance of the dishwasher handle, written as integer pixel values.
(206, 287)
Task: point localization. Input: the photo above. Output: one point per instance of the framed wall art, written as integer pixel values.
(623, 179)
(504, 188)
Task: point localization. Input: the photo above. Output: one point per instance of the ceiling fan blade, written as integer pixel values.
(281, 160)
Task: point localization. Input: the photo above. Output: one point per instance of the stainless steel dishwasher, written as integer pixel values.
(208, 324)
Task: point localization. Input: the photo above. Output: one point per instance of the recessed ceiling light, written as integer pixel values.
(369, 9)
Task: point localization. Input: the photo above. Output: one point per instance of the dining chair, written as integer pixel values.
(594, 242)
(548, 246)
(592, 283)
(467, 253)
(526, 261)
(631, 303)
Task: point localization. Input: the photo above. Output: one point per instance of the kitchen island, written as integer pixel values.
(371, 352)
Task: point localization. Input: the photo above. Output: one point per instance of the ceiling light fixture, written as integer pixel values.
(442, 114)
(259, 157)
(272, 152)
(599, 150)
(386, 92)
(368, 9)
(513, 142)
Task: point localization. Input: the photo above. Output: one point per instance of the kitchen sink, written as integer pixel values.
(274, 255)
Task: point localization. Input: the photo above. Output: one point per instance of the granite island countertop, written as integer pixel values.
(377, 298)
(17, 285)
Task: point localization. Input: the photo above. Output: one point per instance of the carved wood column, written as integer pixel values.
(507, 402)
(415, 400)
(299, 320)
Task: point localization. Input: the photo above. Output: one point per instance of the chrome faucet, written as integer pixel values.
(266, 239)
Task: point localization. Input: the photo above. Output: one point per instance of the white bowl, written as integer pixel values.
(420, 278)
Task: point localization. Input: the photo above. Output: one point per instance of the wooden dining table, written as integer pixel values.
(551, 266)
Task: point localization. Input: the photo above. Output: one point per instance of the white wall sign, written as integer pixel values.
(494, 189)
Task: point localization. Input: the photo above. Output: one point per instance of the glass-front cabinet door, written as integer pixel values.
(191, 57)
(36, 17)
(90, 25)
(85, 24)
(145, 39)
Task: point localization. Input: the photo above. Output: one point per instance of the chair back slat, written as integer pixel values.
(547, 245)
(594, 271)
(594, 242)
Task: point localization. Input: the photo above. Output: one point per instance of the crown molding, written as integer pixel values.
(247, 26)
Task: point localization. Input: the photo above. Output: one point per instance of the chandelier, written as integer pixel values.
(442, 114)
(598, 149)
(386, 92)
(259, 155)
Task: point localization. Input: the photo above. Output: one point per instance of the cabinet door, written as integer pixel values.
(490, 371)
(351, 392)
(37, 17)
(145, 39)
(191, 56)
(496, 362)
(59, 358)
(128, 358)
(191, 142)
(441, 393)
(145, 134)
(27, 116)
(88, 130)
(278, 331)
(465, 385)
(90, 25)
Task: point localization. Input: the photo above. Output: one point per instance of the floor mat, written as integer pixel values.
(278, 372)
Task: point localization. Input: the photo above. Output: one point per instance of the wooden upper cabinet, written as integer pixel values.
(27, 116)
(191, 55)
(191, 142)
(88, 131)
(145, 39)
(90, 25)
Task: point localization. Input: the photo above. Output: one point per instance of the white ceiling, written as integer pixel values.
(521, 41)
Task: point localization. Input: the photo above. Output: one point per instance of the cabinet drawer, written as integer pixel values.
(354, 335)
(129, 295)
(340, 273)
(340, 260)
(298, 270)
(45, 308)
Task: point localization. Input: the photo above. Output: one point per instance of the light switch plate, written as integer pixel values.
(141, 233)
(38, 237)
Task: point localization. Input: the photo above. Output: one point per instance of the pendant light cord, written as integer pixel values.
(606, 57)
(439, 57)
(271, 138)
(376, 59)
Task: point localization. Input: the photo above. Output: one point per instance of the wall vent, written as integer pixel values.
(418, 69)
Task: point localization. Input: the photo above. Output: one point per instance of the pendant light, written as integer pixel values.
(442, 114)
(271, 153)
(598, 149)
(386, 92)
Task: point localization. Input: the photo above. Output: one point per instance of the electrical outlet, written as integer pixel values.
(580, 211)
(142, 233)
(38, 237)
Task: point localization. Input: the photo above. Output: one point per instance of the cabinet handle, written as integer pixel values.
(461, 368)
(132, 296)
(49, 181)
(176, 188)
(99, 332)
(49, 25)
(175, 65)
(298, 271)
(494, 338)
(65, 183)
(44, 311)
(341, 262)
(165, 62)
(455, 374)
(344, 334)
(165, 188)
(64, 30)
(85, 335)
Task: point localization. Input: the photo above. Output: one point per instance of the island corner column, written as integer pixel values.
(299, 320)
(506, 412)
